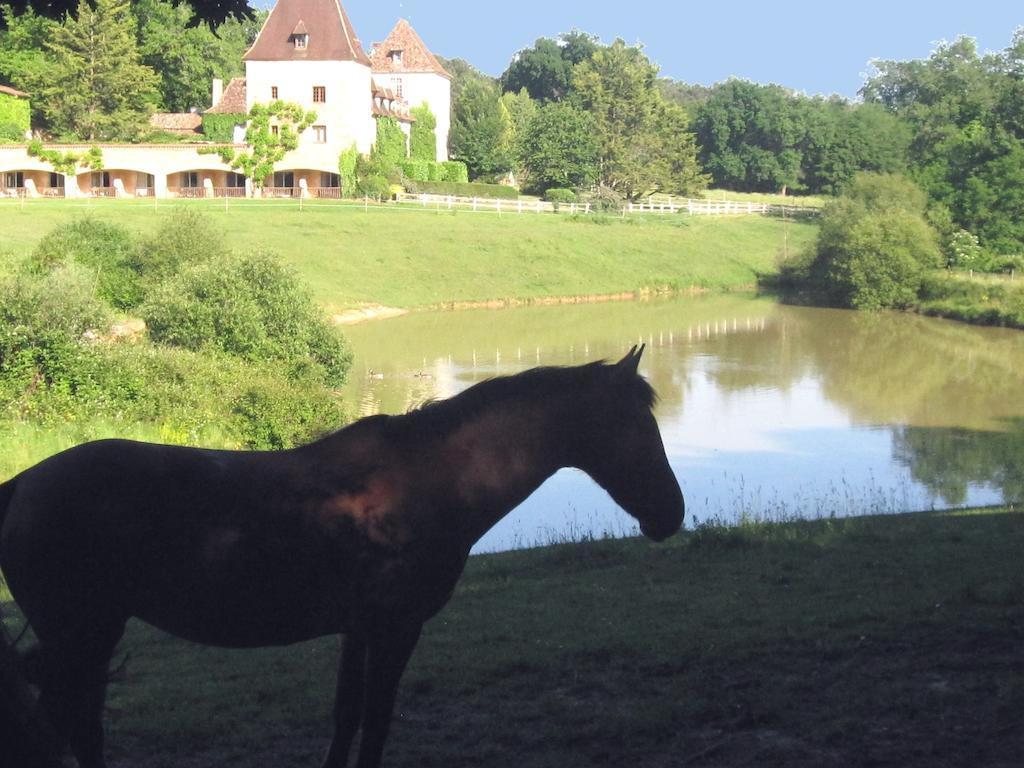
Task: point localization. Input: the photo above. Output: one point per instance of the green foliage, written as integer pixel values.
(644, 145)
(184, 238)
(965, 112)
(454, 172)
(479, 133)
(546, 70)
(66, 163)
(16, 113)
(874, 245)
(375, 186)
(347, 162)
(556, 195)
(23, 59)
(266, 147)
(558, 147)
(106, 249)
(247, 307)
(389, 148)
(965, 252)
(10, 133)
(464, 189)
(982, 300)
(422, 136)
(415, 170)
(187, 57)
(220, 127)
(94, 85)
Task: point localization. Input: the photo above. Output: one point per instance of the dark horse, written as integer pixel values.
(363, 533)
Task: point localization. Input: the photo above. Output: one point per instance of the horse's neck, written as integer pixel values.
(500, 457)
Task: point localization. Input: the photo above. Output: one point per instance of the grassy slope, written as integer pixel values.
(408, 257)
(888, 641)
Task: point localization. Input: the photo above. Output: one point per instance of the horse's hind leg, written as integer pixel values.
(73, 687)
(348, 700)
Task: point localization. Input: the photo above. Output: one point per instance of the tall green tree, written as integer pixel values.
(546, 69)
(187, 58)
(480, 130)
(95, 86)
(644, 144)
(967, 123)
(558, 147)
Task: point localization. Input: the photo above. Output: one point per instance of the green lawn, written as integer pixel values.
(411, 257)
(888, 641)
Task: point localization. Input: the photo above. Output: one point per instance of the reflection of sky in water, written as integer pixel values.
(750, 415)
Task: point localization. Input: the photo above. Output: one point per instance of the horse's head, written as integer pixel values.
(622, 450)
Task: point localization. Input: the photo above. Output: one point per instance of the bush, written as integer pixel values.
(375, 186)
(107, 249)
(559, 197)
(348, 161)
(184, 238)
(874, 244)
(455, 172)
(11, 133)
(251, 308)
(464, 190)
(415, 170)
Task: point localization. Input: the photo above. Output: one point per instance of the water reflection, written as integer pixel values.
(765, 409)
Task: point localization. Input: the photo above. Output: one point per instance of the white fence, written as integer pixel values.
(450, 202)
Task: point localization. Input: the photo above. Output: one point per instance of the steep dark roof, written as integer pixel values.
(232, 102)
(331, 39)
(416, 57)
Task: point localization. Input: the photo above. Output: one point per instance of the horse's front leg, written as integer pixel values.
(348, 700)
(389, 651)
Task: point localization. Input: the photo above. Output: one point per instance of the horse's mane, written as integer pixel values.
(541, 384)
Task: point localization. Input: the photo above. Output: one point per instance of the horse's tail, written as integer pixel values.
(24, 738)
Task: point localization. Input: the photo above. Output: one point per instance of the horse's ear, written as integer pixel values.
(631, 362)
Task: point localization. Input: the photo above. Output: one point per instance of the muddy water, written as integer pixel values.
(767, 410)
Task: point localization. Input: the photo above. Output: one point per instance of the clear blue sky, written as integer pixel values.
(817, 47)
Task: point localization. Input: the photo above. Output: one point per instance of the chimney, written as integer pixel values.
(218, 91)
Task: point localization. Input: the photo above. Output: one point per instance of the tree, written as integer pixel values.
(22, 51)
(422, 136)
(749, 136)
(874, 244)
(965, 115)
(188, 58)
(211, 12)
(95, 87)
(266, 146)
(644, 145)
(546, 70)
(479, 133)
(558, 148)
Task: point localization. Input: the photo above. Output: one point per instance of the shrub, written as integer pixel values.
(11, 133)
(559, 196)
(251, 308)
(455, 171)
(106, 248)
(184, 238)
(874, 244)
(435, 172)
(348, 160)
(464, 190)
(375, 186)
(415, 170)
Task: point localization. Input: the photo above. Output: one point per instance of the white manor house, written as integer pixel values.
(307, 53)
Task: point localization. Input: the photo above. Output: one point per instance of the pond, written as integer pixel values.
(768, 411)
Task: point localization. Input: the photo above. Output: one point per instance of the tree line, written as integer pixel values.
(573, 112)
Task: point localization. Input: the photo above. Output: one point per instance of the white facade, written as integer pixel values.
(430, 88)
(344, 115)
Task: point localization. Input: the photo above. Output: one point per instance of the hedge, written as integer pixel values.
(220, 127)
(14, 111)
(463, 189)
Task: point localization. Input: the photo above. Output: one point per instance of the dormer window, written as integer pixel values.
(300, 36)
(396, 56)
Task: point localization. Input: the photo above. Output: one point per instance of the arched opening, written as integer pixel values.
(206, 183)
(31, 183)
(117, 182)
(305, 182)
